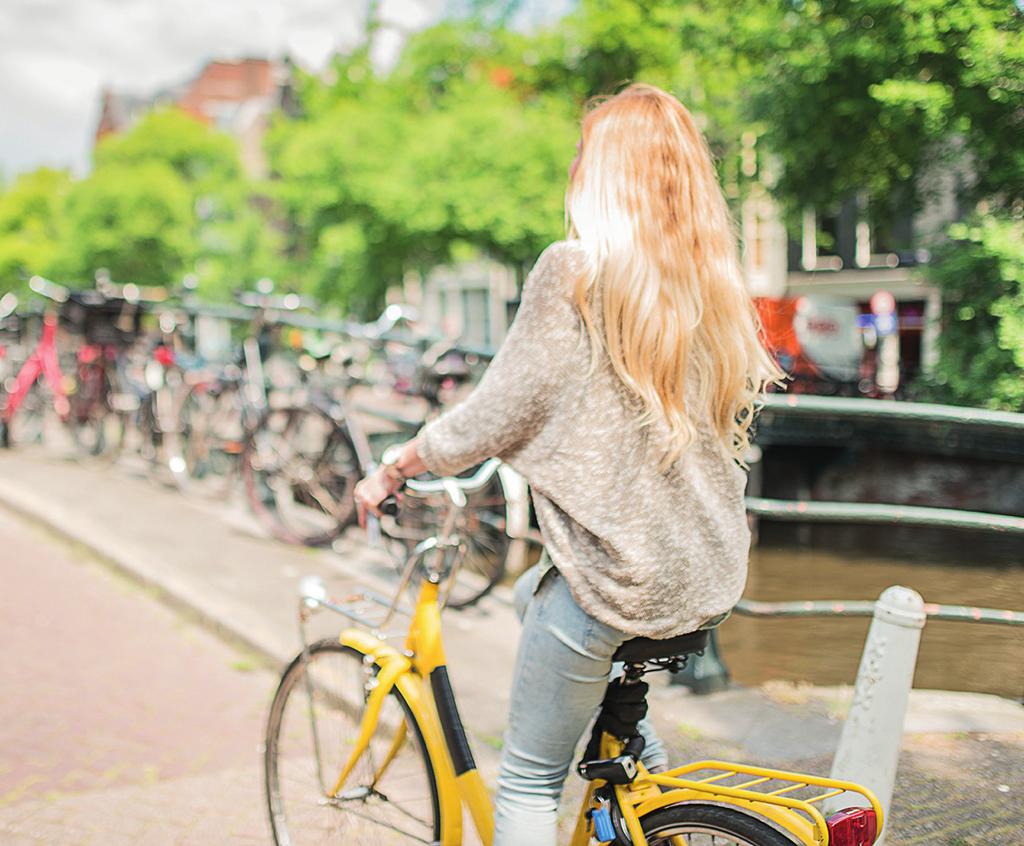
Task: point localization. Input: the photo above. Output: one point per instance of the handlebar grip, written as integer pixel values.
(389, 506)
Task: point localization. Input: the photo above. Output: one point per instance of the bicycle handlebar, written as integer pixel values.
(453, 486)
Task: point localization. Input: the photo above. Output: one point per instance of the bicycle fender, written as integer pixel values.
(802, 829)
(413, 690)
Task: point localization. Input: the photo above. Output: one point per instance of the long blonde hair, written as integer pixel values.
(645, 203)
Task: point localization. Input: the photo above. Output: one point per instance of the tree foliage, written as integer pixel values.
(205, 159)
(135, 221)
(31, 225)
(981, 272)
(381, 176)
(866, 94)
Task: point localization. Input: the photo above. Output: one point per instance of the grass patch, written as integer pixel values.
(494, 741)
(245, 665)
(689, 732)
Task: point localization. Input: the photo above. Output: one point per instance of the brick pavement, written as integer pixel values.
(119, 721)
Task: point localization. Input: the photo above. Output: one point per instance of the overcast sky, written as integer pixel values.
(56, 55)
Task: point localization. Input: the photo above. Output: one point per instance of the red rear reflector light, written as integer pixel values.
(852, 827)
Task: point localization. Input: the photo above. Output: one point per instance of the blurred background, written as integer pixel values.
(245, 246)
(348, 150)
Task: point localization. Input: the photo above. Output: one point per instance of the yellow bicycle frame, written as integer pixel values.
(422, 680)
(419, 672)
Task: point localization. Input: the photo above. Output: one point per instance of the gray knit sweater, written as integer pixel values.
(647, 552)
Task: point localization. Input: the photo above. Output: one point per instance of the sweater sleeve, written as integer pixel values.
(515, 397)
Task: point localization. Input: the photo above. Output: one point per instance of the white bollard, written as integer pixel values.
(869, 747)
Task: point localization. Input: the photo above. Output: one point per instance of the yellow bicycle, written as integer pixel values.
(365, 744)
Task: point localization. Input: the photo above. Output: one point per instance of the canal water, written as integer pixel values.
(826, 650)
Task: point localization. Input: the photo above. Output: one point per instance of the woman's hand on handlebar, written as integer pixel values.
(372, 491)
(379, 485)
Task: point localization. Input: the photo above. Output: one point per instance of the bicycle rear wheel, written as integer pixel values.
(91, 422)
(695, 824)
(28, 424)
(314, 720)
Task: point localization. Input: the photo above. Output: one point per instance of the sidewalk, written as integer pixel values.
(962, 770)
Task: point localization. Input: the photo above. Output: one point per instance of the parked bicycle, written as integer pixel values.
(81, 395)
(25, 404)
(301, 464)
(223, 403)
(364, 742)
(152, 377)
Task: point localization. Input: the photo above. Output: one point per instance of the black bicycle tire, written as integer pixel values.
(89, 448)
(277, 708)
(89, 406)
(727, 820)
(266, 514)
(32, 407)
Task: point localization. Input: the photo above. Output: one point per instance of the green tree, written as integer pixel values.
(865, 94)
(32, 212)
(233, 240)
(981, 273)
(135, 220)
(383, 175)
(204, 158)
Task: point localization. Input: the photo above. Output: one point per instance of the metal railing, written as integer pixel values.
(866, 608)
(810, 405)
(810, 511)
(999, 424)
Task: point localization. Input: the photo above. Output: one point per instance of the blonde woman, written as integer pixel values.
(623, 393)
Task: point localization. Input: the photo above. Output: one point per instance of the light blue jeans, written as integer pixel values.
(562, 671)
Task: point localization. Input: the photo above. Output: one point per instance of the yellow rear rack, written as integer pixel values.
(791, 800)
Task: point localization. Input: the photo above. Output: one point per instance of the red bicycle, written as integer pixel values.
(82, 403)
(43, 362)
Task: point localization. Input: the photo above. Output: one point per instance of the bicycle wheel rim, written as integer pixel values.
(402, 806)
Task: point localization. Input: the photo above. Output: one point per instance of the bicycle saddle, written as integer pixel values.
(640, 649)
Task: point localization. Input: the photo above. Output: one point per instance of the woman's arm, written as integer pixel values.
(515, 396)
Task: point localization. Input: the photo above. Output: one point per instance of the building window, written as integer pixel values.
(856, 233)
(476, 316)
(823, 238)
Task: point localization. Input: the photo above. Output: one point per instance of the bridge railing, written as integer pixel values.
(866, 608)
